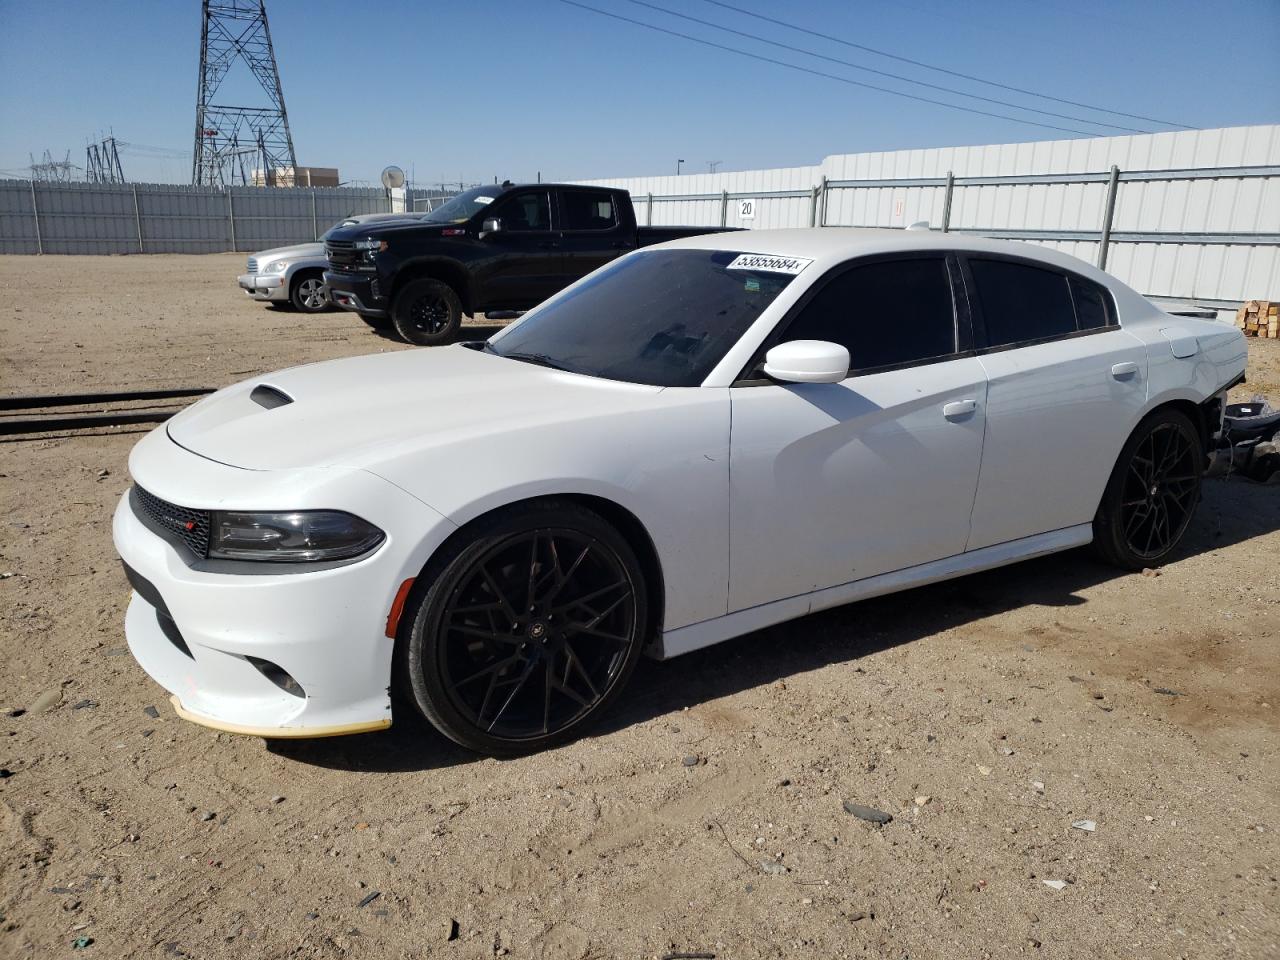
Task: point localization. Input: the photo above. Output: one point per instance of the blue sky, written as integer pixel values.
(471, 90)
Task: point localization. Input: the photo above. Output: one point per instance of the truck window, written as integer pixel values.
(587, 210)
(524, 211)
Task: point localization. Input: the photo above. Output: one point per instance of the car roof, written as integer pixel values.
(827, 246)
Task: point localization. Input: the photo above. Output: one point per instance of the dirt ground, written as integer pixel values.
(986, 715)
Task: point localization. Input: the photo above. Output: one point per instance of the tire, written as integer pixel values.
(548, 675)
(378, 323)
(427, 312)
(308, 293)
(1152, 493)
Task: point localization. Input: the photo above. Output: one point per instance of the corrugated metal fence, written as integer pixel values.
(1192, 215)
(38, 217)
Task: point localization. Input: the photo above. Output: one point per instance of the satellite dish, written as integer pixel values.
(392, 177)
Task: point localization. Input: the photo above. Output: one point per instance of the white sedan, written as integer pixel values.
(698, 440)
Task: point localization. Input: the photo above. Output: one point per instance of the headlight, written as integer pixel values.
(290, 537)
(371, 245)
(276, 266)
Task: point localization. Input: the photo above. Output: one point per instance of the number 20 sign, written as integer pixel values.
(746, 209)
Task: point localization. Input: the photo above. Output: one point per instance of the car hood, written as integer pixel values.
(295, 252)
(358, 411)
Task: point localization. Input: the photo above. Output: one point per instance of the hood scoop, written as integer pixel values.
(265, 395)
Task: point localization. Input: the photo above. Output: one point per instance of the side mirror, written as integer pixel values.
(807, 361)
(492, 225)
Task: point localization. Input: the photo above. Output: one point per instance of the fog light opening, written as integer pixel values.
(279, 676)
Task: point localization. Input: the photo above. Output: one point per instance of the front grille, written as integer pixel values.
(343, 256)
(252, 265)
(191, 527)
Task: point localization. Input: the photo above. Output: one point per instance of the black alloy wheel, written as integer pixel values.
(1153, 492)
(427, 312)
(529, 631)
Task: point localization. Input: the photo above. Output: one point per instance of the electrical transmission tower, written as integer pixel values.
(55, 171)
(102, 162)
(229, 137)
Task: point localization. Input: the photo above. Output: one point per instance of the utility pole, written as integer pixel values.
(712, 164)
(227, 136)
(678, 162)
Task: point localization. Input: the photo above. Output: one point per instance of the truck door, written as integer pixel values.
(523, 265)
(593, 230)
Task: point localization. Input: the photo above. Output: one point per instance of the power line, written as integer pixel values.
(882, 73)
(829, 76)
(953, 73)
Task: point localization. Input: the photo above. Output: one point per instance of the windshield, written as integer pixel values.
(659, 317)
(464, 206)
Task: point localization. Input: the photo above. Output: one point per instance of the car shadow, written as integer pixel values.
(1234, 510)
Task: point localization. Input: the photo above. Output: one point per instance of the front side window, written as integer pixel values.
(659, 317)
(587, 210)
(886, 313)
(1021, 302)
(524, 211)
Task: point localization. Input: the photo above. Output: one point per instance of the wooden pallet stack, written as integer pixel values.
(1259, 318)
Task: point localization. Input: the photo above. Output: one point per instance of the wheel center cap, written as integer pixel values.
(1155, 488)
(537, 630)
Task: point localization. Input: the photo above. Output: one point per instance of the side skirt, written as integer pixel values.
(704, 634)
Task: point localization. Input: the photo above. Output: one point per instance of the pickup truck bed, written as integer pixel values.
(489, 249)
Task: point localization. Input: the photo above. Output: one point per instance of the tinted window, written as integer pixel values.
(886, 313)
(586, 210)
(662, 317)
(524, 211)
(1093, 304)
(1021, 302)
(464, 206)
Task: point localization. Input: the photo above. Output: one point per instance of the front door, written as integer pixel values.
(592, 231)
(523, 267)
(831, 483)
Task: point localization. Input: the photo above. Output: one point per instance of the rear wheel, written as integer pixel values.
(427, 312)
(529, 629)
(1152, 493)
(308, 292)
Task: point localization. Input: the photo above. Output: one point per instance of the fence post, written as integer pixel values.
(822, 201)
(649, 216)
(813, 206)
(137, 218)
(231, 219)
(1112, 186)
(724, 207)
(315, 230)
(946, 202)
(35, 210)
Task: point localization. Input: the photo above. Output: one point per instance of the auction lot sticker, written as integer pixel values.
(759, 261)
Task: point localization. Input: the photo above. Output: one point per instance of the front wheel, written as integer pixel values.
(1152, 493)
(530, 627)
(308, 293)
(427, 312)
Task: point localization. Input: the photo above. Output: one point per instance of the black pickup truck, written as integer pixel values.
(488, 250)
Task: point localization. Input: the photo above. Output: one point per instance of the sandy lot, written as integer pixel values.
(1016, 702)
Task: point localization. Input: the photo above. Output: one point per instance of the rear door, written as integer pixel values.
(523, 264)
(836, 482)
(1065, 388)
(593, 230)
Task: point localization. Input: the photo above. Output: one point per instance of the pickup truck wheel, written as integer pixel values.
(308, 293)
(427, 312)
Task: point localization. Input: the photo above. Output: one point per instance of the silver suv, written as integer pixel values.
(294, 276)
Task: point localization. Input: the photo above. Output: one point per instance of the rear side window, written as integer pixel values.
(1021, 302)
(886, 313)
(1093, 304)
(587, 210)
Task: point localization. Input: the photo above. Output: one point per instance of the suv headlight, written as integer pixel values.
(290, 536)
(371, 245)
(276, 266)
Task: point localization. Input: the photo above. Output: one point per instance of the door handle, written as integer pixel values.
(959, 409)
(1122, 370)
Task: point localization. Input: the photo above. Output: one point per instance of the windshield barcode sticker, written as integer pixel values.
(482, 200)
(757, 261)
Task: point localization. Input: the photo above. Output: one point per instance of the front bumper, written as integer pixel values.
(360, 292)
(205, 629)
(264, 286)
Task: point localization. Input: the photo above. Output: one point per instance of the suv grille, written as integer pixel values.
(190, 527)
(343, 256)
(252, 265)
